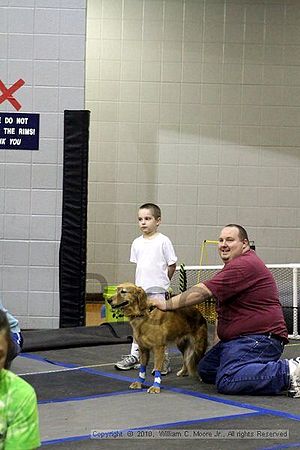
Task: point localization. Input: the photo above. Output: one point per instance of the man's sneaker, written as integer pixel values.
(166, 368)
(127, 362)
(294, 389)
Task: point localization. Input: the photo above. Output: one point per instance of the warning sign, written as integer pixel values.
(19, 131)
(7, 93)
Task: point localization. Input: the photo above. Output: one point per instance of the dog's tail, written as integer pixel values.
(195, 348)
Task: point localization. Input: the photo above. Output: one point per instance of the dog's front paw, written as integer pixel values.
(136, 385)
(154, 390)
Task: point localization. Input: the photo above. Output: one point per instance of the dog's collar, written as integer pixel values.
(136, 317)
(143, 315)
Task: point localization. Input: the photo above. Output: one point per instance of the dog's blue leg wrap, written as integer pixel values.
(157, 379)
(142, 374)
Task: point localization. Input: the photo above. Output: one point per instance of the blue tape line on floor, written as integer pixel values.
(282, 446)
(83, 369)
(89, 397)
(68, 439)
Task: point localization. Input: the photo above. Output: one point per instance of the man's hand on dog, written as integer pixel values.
(196, 294)
(159, 303)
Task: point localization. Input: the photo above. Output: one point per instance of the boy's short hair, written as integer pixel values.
(156, 212)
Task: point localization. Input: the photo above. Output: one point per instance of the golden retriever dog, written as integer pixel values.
(153, 329)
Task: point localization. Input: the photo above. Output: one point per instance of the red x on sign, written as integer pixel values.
(7, 93)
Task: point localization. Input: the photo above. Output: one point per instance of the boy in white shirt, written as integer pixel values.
(155, 260)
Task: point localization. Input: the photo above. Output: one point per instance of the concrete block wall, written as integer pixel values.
(195, 106)
(42, 42)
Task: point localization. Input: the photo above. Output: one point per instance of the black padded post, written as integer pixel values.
(72, 254)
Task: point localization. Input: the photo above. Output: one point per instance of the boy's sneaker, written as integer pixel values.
(166, 368)
(127, 362)
(294, 389)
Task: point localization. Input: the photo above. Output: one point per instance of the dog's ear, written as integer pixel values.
(141, 297)
(140, 292)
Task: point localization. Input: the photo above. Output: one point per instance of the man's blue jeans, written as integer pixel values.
(246, 365)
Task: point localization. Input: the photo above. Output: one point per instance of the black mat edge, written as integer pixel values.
(50, 339)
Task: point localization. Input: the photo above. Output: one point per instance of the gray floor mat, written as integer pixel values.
(127, 411)
(184, 402)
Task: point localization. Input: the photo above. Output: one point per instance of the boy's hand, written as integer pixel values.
(160, 303)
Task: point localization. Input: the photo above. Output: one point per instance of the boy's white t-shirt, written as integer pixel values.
(152, 258)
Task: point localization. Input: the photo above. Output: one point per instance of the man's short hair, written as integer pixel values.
(156, 212)
(243, 235)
